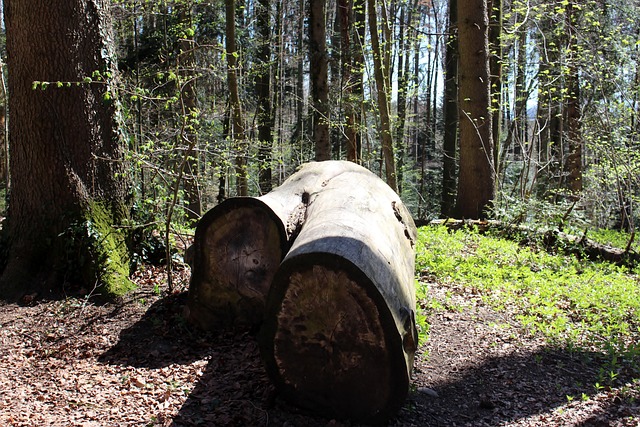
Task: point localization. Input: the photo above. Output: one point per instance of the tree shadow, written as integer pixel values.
(234, 389)
(520, 385)
(159, 339)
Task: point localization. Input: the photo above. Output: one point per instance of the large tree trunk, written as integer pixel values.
(477, 174)
(68, 184)
(339, 333)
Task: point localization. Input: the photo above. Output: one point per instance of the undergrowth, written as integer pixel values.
(576, 304)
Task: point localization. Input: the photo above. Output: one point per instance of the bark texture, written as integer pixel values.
(319, 73)
(477, 174)
(66, 154)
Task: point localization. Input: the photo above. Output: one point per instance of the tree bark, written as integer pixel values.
(450, 113)
(381, 77)
(573, 166)
(477, 175)
(189, 99)
(69, 186)
(339, 333)
(263, 91)
(319, 69)
(237, 127)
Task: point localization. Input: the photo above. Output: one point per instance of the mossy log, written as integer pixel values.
(339, 331)
(239, 245)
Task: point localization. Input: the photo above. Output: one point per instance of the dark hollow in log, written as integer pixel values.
(339, 331)
(238, 247)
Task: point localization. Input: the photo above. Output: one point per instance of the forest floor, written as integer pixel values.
(137, 363)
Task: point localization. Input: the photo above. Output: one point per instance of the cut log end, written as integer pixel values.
(333, 347)
(238, 254)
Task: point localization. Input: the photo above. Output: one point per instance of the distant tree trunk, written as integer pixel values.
(263, 89)
(495, 70)
(404, 47)
(350, 104)
(381, 78)
(189, 135)
(68, 181)
(573, 166)
(300, 131)
(477, 176)
(237, 127)
(319, 68)
(357, 74)
(450, 106)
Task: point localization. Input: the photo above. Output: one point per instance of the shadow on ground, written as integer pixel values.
(235, 391)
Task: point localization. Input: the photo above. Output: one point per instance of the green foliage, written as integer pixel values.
(572, 302)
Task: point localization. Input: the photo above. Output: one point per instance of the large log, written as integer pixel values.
(239, 245)
(339, 330)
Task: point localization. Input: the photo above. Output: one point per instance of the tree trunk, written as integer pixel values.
(495, 71)
(380, 74)
(319, 66)
(450, 106)
(263, 91)
(477, 175)
(237, 127)
(345, 13)
(573, 166)
(359, 31)
(189, 99)
(67, 174)
(339, 333)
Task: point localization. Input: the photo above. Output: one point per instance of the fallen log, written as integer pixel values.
(339, 330)
(239, 245)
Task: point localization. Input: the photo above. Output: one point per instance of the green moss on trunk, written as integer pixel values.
(109, 260)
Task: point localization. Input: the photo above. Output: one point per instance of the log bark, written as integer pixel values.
(339, 331)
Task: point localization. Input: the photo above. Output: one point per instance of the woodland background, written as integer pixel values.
(524, 111)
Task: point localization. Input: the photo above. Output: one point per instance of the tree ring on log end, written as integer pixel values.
(238, 248)
(329, 341)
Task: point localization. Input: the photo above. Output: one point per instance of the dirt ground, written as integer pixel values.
(137, 363)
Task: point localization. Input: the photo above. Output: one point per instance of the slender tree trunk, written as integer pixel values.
(234, 98)
(380, 74)
(350, 104)
(357, 73)
(573, 166)
(477, 175)
(68, 181)
(263, 89)
(495, 69)
(186, 65)
(319, 64)
(450, 106)
(404, 47)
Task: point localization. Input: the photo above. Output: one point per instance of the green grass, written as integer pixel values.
(572, 302)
